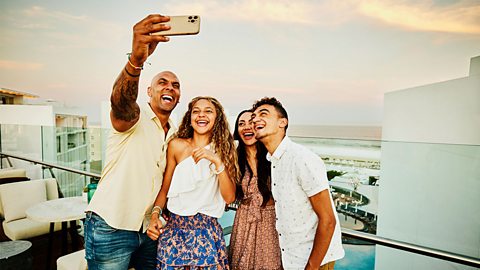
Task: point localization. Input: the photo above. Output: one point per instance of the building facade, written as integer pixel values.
(48, 132)
(430, 174)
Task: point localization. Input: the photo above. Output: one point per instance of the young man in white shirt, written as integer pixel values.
(307, 223)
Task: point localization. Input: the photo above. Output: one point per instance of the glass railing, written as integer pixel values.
(77, 148)
(422, 194)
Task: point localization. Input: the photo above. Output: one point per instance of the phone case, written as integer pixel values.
(182, 25)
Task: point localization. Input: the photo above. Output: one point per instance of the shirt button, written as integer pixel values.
(274, 167)
(274, 184)
(283, 249)
(279, 234)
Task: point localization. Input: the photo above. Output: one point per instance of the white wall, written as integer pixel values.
(34, 115)
(475, 66)
(430, 173)
(446, 112)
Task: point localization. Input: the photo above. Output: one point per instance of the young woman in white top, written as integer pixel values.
(199, 180)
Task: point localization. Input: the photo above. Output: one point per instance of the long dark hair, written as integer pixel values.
(263, 165)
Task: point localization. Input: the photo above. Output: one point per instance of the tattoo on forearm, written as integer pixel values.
(123, 98)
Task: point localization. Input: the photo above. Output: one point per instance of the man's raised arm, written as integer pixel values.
(125, 110)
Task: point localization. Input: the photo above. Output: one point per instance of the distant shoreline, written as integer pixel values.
(336, 132)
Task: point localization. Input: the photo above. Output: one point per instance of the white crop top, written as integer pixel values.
(195, 189)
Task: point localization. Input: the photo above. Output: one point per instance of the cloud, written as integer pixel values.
(40, 18)
(268, 11)
(349, 91)
(63, 30)
(58, 85)
(460, 17)
(17, 65)
(35, 26)
(37, 11)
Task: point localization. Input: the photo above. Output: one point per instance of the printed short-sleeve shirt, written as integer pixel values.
(297, 174)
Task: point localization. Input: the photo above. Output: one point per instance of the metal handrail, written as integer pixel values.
(51, 165)
(417, 249)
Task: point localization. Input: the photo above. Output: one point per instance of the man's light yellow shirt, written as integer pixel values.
(133, 174)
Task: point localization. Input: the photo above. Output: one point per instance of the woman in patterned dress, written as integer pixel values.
(198, 181)
(254, 239)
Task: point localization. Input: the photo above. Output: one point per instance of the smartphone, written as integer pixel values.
(181, 25)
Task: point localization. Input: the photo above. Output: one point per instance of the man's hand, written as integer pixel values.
(125, 110)
(155, 228)
(144, 44)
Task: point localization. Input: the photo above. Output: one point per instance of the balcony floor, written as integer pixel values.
(40, 248)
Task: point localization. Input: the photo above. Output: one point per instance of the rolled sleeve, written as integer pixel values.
(312, 174)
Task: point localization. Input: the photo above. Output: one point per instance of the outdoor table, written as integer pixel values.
(15, 255)
(59, 210)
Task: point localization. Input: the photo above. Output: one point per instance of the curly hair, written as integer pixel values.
(222, 139)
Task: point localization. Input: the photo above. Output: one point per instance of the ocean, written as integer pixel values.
(336, 132)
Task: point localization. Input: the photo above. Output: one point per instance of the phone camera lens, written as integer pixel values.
(190, 17)
(192, 21)
(196, 17)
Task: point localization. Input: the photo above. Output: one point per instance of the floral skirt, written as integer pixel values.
(192, 242)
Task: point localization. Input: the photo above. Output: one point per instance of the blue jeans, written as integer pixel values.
(107, 248)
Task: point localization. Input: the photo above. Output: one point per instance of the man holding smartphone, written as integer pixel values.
(118, 213)
(307, 223)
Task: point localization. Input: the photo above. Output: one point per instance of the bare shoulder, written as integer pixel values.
(178, 146)
(178, 143)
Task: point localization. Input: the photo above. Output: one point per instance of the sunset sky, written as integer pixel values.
(329, 62)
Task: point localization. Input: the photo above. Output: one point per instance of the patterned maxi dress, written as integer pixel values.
(254, 241)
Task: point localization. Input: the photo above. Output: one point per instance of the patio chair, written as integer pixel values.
(16, 198)
(74, 261)
(11, 175)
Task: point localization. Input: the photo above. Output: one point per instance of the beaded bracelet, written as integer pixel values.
(132, 65)
(159, 212)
